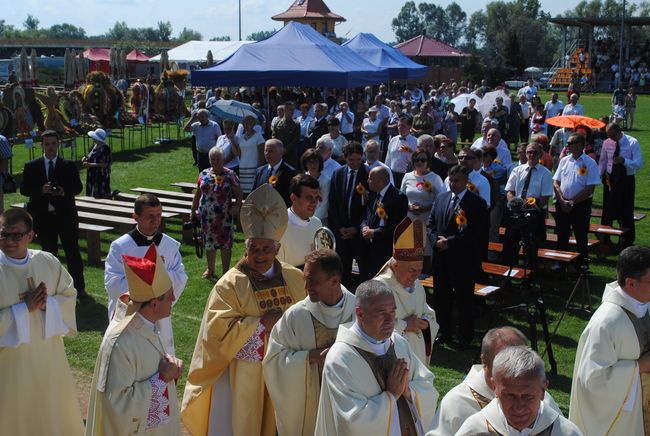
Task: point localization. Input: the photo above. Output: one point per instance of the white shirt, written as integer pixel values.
(553, 109)
(503, 153)
(541, 181)
(571, 182)
(47, 165)
(480, 182)
(346, 127)
(225, 144)
(379, 163)
(398, 160)
(525, 110)
(329, 166)
(339, 142)
(304, 124)
(298, 239)
(631, 151)
(570, 109)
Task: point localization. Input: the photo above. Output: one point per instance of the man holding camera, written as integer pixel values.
(51, 184)
(528, 189)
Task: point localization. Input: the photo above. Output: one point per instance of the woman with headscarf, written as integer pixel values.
(98, 162)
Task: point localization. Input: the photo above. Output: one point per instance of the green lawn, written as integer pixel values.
(158, 166)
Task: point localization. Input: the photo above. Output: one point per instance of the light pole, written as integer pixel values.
(620, 54)
(240, 19)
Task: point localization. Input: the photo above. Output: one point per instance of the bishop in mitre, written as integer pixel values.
(610, 393)
(300, 341)
(373, 384)
(37, 309)
(477, 390)
(416, 321)
(134, 384)
(225, 392)
(518, 408)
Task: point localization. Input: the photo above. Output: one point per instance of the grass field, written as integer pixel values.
(157, 166)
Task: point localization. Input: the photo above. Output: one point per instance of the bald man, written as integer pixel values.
(276, 171)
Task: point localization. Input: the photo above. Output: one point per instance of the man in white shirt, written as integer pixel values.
(524, 129)
(338, 140)
(372, 158)
(503, 152)
(529, 90)
(400, 149)
(574, 181)
(553, 107)
(346, 119)
(325, 147)
(206, 133)
(573, 108)
(520, 386)
(477, 183)
(298, 239)
(482, 141)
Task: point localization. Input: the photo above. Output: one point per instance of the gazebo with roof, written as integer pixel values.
(314, 13)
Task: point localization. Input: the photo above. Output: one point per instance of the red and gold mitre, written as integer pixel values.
(408, 241)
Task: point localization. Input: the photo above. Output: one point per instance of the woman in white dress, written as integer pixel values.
(251, 144)
(421, 187)
(312, 162)
(371, 127)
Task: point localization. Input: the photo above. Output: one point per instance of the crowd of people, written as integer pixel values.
(297, 339)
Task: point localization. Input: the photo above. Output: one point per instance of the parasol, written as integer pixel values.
(234, 110)
(573, 121)
(489, 100)
(462, 101)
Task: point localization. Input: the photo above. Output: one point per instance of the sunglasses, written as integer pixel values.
(16, 236)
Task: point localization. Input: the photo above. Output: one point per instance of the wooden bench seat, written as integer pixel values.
(113, 209)
(480, 290)
(542, 253)
(163, 200)
(124, 224)
(183, 212)
(552, 237)
(164, 193)
(598, 213)
(93, 241)
(187, 187)
(595, 228)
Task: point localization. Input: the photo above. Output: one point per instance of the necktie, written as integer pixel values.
(349, 188)
(452, 207)
(527, 182)
(50, 171)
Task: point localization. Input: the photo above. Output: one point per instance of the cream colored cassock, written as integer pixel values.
(298, 239)
(606, 391)
(491, 420)
(294, 384)
(37, 391)
(410, 303)
(352, 402)
(127, 394)
(466, 399)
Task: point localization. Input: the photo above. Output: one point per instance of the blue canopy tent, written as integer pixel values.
(296, 55)
(383, 55)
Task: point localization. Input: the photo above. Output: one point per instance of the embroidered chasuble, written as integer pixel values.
(642, 329)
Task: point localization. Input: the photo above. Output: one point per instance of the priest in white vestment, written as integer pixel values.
(477, 390)
(37, 309)
(300, 340)
(373, 384)
(148, 216)
(611, 376)
(298, 238)
(416, 321)
(134, 384)
(518, 409)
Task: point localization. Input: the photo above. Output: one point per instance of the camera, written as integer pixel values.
(523, 216)
(55, 188)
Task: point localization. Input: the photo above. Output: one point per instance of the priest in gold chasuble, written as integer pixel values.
(225, 393)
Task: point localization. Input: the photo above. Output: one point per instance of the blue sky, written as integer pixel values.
(219, 17)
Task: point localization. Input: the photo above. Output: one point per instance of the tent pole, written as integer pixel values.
(346, 95)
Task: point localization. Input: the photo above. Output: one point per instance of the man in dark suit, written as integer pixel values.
(387, 208)
(51, 184)
(457, 219)
(276, 171)
(348, 198)
(318, 126)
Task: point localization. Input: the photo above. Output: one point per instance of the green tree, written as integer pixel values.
(474, 35)
(259, 36)
(220, 38)
(66, 31)
(432, 19)
(31, 23)
(456, 21)
(408, 22)
(164, 30)
(119, 31)
(474, 70)
(189, 35)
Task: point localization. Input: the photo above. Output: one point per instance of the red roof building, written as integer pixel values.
(445, 62)
(314, 13)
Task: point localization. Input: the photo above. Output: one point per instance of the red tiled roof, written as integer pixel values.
(423, 45)
(308, 9)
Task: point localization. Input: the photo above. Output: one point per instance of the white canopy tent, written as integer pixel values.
(194, 52)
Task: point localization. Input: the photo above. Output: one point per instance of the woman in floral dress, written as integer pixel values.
(98, 162)
(213, 206)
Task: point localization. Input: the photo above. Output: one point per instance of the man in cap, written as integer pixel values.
(520, 386)
(134, 385)
(416, 321)
(300, 340)
(37, 308)
(225, 391)
(477, 390)
(147, 212)
(373, 384)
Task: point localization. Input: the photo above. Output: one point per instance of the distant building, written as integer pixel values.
(444, 61)
(314, 13)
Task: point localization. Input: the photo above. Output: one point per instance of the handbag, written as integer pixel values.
(9, 185)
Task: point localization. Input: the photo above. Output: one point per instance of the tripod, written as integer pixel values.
(533, 305)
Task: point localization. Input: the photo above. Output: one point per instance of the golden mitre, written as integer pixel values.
(408, 240)
(146, 276)
(264, 214)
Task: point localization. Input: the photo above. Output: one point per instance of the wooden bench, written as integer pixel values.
(552, 237)
(542, 253)
(480, 290)
(182, 211)
(166, 194)
(92, 232)
(595, 228)
(598, 213)
(122, 223)
(93, 241)
(163, 200)
(187, 187)
(117, 211)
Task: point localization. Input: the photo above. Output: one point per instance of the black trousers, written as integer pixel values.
(626, 220)
(50, 227)
(453, 287)
(203, 161)
(576, 220)
(348, 250)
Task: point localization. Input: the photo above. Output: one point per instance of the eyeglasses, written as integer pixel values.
(15, 236)
(466, 158)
